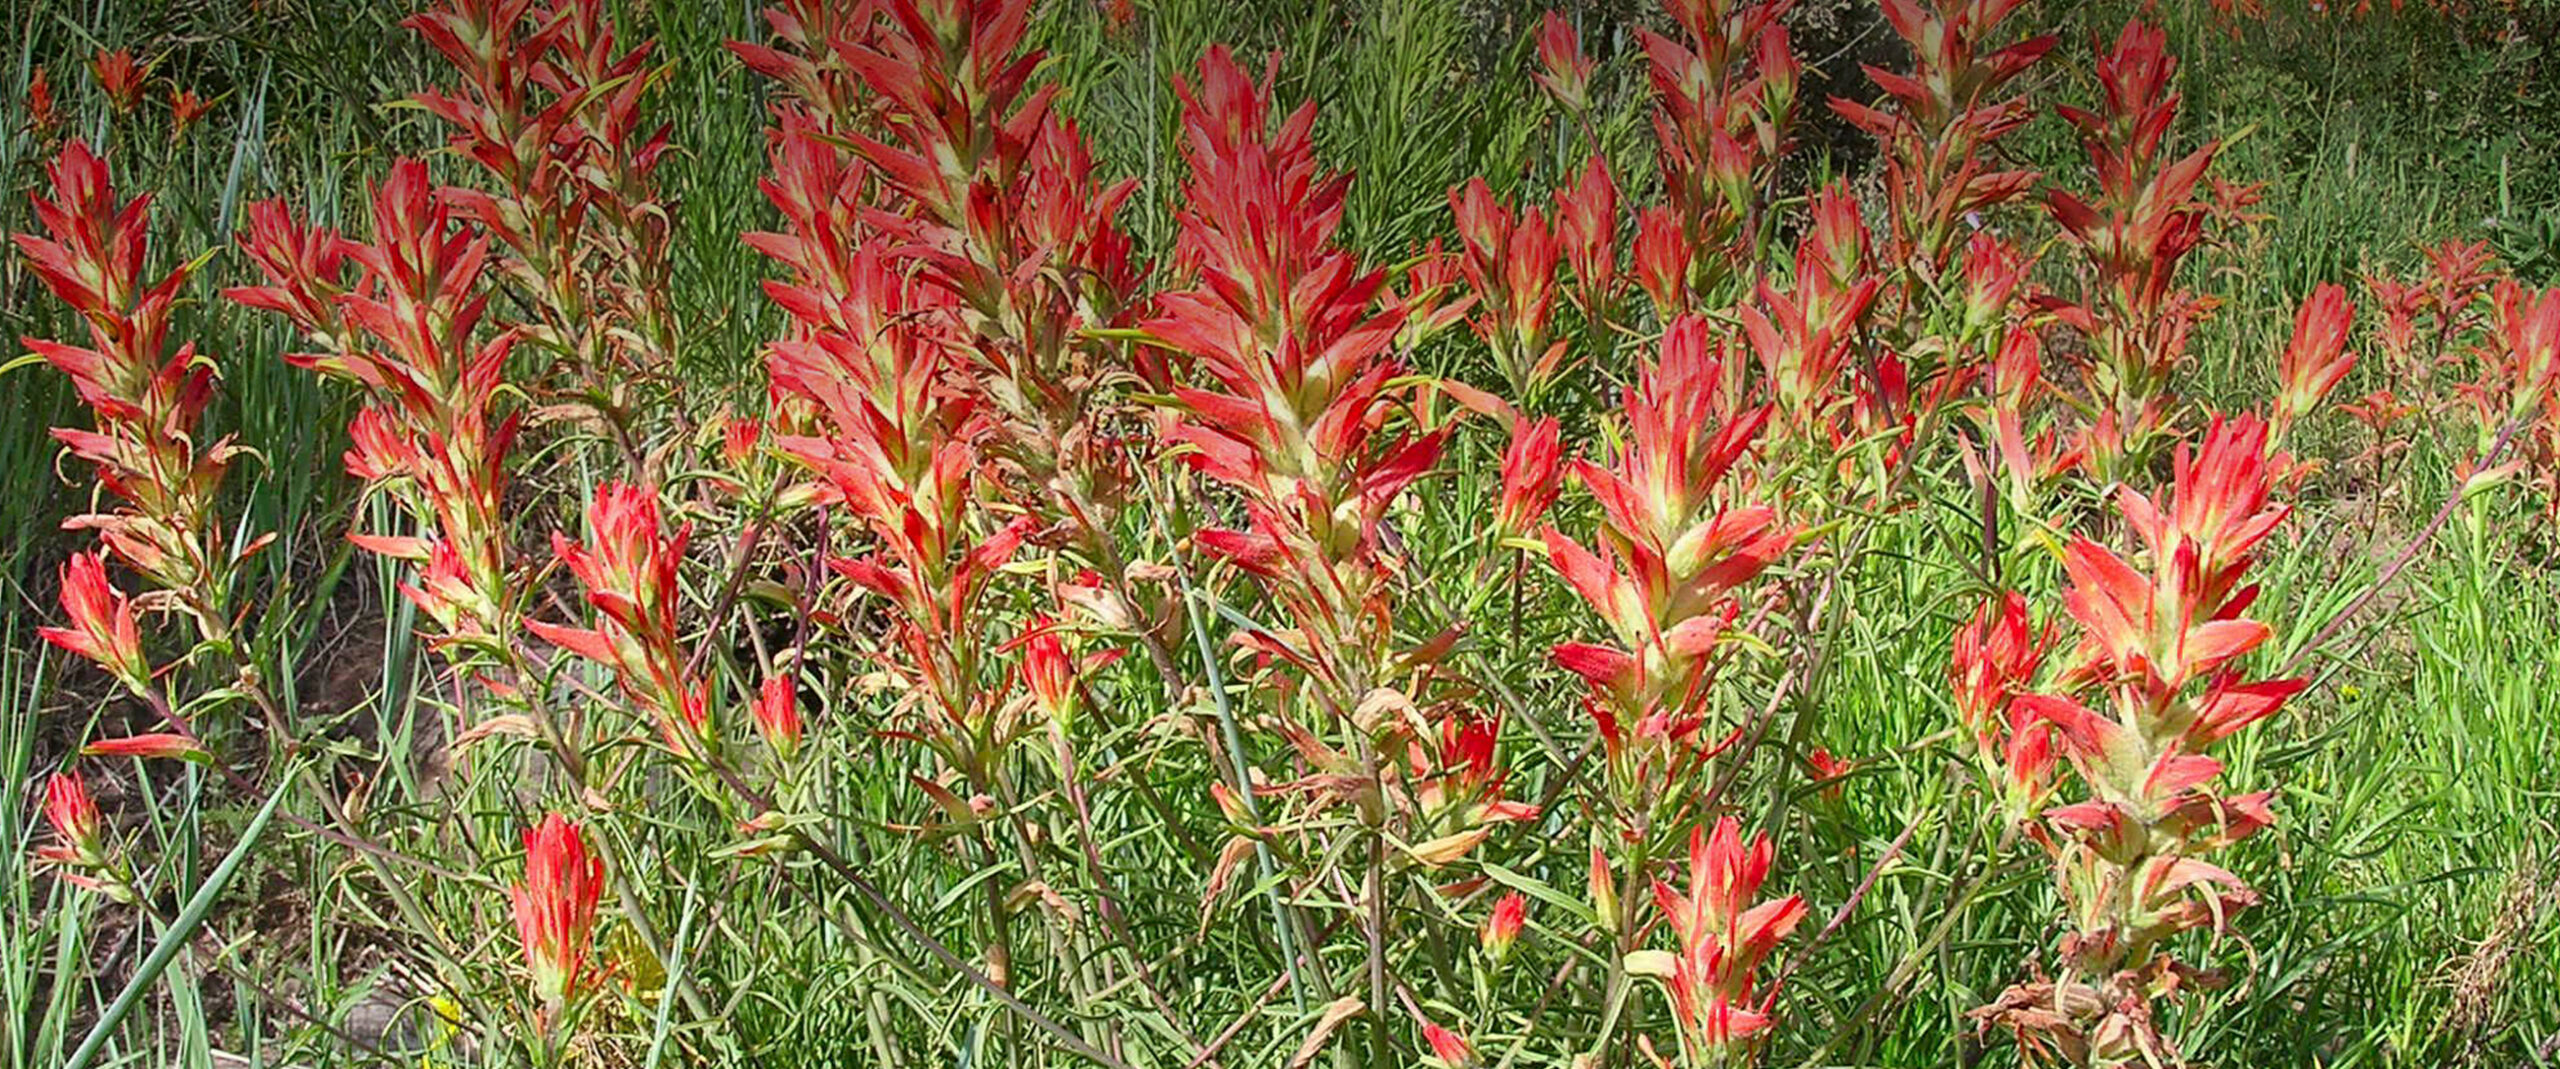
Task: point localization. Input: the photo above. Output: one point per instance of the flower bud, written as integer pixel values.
(1501, 928)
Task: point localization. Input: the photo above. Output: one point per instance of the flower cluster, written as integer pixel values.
(993, 443)
(1680, 536)
(407, 331)
(2159, 647)
(1942, 121)
(629, 571)
(2134, 234)
(1724, 935)
(146, 400)
(549, 106)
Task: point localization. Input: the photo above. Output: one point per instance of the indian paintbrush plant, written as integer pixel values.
(1120, 620)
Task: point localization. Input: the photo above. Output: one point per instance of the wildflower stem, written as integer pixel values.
(2408, 553)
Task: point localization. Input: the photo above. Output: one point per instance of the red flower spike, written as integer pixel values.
(2527, 331)
(1723, 940)
(1510, 262)
(549, 105)
(1677, 541)
(1995, 659)
(1530, 475)
(555, 909)
(185, 107)
(1563, 71)
(1450, 1049)
(1940, 120)
(2315, 359)
(1724, 97)
(1587, 228)
(1047, 671)
(1001, 213)
(777, 716)
(1282, 324)
(1993, 272)
(2142, 223)
(629, 571)
(305, 267)
(2160, 644)
(1829, 770)
(42, 113)
(119, 77)
(102, 625)
(2459, 273)
(155, 744)
(1804, 339)
(407, 329)
(1501, 927)
(78, 834)
(1661, 261)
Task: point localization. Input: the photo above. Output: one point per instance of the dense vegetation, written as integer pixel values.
(918, 532)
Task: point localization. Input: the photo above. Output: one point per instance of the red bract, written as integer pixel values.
(1662, 260)
(1047, 672)
(629, 571)
(305, 267)
(1563, 71)
(2315, 360)
(555, 910)
(1945, 116)
(1460, 786)
(1530, 471)
(1723, 939)
(1511, 264)
(1432, 296)
(119, 77)
(777, 714)
(2140, 227)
